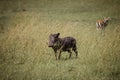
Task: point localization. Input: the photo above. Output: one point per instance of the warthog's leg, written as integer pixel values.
(70, 53)
(58, 54)
(75, 50)
(55, 52)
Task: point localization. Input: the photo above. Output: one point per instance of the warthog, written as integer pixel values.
(62, 44)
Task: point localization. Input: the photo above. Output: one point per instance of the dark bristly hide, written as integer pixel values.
(62, 44)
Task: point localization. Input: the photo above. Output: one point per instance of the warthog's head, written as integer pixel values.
(53, 38)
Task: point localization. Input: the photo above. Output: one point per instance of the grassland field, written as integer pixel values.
(25, 26)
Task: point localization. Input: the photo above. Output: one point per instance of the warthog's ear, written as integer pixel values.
(57, 35)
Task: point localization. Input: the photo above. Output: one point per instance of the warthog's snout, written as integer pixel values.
(50, 46)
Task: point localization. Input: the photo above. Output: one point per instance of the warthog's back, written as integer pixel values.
(68, 42)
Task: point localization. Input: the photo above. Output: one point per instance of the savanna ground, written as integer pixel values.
(25, 26)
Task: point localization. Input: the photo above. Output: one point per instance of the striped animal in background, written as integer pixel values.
(101, 24)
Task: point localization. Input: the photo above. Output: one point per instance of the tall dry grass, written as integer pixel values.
(24, 54)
